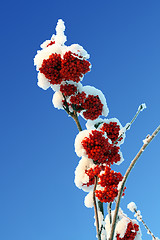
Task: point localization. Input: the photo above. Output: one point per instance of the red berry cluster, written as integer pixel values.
(109, 180)
(73, 67)
(78, 99)
(113, 155)
(99, 149)
(112, 129)
(91, 104)
(51, 68)
(93, 107)
(96, 146)
(92, 173)
(70, 67)
(68, 89)
(130, 233)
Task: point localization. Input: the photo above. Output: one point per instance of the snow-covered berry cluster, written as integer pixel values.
(62, 68)
(100, 143)
(130, 233)
(126, 228)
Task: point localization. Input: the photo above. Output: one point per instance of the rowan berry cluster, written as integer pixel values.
(57, 69)
(100, 145)
(74, 67)
(112, 130)
(68, 89)
(99, 149)
(62, 68)
(51, 68)
(93, 107)
(108, 179)
(130, 233)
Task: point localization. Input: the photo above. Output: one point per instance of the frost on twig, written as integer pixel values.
(128, 125)
(133, 208)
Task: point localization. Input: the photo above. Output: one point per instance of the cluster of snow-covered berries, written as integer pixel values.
(99, 147)
(126, 228)
(62, 68)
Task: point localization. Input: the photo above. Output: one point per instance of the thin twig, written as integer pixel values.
(95, 208)
(128, 125)
(145, 225)
(109, 212)
(148, 140)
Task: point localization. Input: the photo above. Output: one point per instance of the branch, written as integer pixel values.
(145, 225)
(74, 116)
(146, 142)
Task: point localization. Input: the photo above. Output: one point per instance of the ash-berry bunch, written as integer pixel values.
(126, 228)
(62, 68)
(96, 145)
(108, 182)
(68, 89)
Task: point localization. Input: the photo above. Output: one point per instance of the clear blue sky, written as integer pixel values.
(39, 200)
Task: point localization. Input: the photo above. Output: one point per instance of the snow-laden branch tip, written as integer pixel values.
(142, 107)
(60, 38)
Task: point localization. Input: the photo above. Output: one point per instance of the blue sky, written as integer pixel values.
(39, 200)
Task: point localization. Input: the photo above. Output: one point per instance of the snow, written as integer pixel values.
(90, 124)
(43, 82)
(132, 206)
(55, 87)
(121, 225)
(142, 107)
(146, 140)
(78, 50)
(57, 100)
(119, 185)
(80, 176)
(124, 129)
(60, 38)
(80, 151)
(88, 201)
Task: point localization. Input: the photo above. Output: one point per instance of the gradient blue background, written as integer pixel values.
(39, 200)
